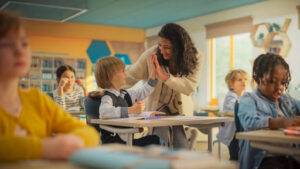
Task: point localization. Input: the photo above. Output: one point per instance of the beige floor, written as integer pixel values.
(201, 145)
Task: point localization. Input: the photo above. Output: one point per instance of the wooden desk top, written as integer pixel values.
(207, 108)
(37, 164)
(81, 112)
(274, 136)
(225, 114)
(166, 121)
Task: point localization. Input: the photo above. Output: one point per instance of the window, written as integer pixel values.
(227, 53)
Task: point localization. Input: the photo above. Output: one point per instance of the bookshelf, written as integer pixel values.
(42, 71)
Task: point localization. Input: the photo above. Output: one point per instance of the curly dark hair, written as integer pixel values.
(183, 49)
(265, 63)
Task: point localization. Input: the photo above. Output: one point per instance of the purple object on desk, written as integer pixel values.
(152, 118)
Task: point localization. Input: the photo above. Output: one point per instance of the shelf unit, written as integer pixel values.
(42, 71)
(278, 42)
(273, 42)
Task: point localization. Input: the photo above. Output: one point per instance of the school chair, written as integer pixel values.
(238, 125)
(91, 107)
(50, 94)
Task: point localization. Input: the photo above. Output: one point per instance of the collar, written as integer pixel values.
(113, 91)
(259, 94)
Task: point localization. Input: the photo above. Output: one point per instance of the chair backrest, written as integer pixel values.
(92, 111)
(238, 125)
(50, 94)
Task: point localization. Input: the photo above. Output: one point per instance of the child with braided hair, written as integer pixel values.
(267, 107)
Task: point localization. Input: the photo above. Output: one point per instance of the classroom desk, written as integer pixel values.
(38, 164)
(213, 109)
(194, 121)
(77, 113)
(225, 114)
(179, 159)
(272, 141)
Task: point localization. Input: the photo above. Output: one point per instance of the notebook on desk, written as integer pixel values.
(111, 158)
(120, 156)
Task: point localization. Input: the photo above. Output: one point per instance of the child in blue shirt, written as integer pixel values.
(237, 81)
(119, 103)
(267, 107)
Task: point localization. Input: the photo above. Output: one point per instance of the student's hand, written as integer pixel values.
(283, 122)
(62, 82)
(153, 73)
(160, 72)
(61, 147)
(156, 113)
(292, 122)
(137, 108)
(81, 82)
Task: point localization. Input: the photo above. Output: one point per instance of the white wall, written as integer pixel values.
(267, 11)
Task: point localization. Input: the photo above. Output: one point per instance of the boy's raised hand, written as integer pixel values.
(137, 108)
(61, 147)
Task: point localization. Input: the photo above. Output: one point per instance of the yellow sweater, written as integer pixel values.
(40, 117)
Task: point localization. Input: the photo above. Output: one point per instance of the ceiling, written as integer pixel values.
(124, 13)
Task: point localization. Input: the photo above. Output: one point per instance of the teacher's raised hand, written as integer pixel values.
(161, 74)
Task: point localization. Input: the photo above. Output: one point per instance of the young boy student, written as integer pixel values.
(119, 103)
(237, 81)
(267, 107)
(29, 118)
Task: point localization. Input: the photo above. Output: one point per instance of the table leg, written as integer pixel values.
(170, 133)
(129, 139)
(209, 143)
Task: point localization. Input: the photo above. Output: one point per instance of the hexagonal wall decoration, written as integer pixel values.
(258, 33)
(124, 58)
(98, 49)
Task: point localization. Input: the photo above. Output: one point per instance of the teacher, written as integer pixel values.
(177, 63)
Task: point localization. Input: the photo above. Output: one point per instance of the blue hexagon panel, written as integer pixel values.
(124, 58)
(97, 49)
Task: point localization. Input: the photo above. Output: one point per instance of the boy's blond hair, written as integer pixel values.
(105, 68)
(231, 76)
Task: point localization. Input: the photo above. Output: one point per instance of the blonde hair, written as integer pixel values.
(231, 76)
(105, 68)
